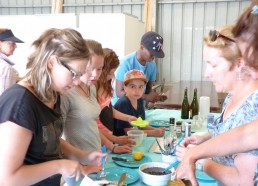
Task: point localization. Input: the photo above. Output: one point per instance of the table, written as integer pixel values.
(157, 114)
(175, 95)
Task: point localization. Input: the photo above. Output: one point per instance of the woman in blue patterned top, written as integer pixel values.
(227, 70)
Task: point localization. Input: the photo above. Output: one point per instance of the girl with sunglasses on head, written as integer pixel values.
(225, 68)
(243, 138)
(32, 152)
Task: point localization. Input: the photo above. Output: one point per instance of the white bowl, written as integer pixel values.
(168, 159)
(155, 179)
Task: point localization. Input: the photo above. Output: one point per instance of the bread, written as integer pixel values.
(179, 183)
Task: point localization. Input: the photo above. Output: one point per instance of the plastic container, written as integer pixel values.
(137, 136)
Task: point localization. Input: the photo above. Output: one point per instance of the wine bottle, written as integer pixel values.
(185, 106)
(194, 108)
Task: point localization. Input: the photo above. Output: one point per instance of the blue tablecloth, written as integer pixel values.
(157, 114)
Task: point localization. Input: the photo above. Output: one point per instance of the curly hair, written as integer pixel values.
(67, 44)
(111, 61)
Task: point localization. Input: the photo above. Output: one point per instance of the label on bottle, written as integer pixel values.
(187, 129)
(178, 128)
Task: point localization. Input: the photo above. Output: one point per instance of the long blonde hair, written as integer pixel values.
(67, 44)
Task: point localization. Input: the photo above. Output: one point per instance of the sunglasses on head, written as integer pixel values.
(214, 34)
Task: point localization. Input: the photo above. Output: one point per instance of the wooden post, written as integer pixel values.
(147, 15)
(57, 6)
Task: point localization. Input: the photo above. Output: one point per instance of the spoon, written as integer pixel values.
(103, 175)
(120, 182)
(170, 166)
(160, 148)
(178, 143)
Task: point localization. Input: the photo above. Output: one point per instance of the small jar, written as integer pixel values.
(178, 128)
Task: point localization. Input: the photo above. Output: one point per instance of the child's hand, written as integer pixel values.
(122, 149)
(125, 140)
(159, 132)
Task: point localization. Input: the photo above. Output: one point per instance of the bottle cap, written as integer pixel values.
(179, 123)
(172, 120)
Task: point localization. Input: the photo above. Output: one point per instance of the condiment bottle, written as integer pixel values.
(178, 129)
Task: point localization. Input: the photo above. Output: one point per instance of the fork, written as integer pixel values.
(102, 174)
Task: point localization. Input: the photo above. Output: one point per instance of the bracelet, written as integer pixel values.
(113, 149)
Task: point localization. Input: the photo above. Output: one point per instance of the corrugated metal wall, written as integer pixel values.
(181, 23)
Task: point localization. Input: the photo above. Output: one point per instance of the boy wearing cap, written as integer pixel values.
(132, 104)
(142, 59)
(8, 75)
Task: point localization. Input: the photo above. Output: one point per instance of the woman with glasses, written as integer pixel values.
(226, 69)
(243, 138)
(8, 75)
(32, 152)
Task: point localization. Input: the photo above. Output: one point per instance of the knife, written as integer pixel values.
(123, 159)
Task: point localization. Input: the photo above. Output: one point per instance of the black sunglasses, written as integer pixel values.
(214, 34)
(75, 75)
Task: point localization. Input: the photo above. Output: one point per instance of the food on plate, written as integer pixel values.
(138, 155)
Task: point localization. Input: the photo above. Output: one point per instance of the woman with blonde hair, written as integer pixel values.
(32, 152)
(229, 72)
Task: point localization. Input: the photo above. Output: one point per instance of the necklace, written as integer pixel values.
(83, 89)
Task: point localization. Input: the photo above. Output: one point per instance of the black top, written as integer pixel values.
(20, 106)
(124, 105)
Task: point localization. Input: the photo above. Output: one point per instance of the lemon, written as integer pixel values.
(138, 155)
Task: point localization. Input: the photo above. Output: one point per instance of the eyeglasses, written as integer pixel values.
(214, 34)
(74, 74)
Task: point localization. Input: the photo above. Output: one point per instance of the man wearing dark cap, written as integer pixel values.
(8, 75)
(142, 59)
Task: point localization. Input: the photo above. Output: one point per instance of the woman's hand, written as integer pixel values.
(186, 169)
(193, 140)
(70, 168)
(180, 152)
(95, 157)
(89, 169)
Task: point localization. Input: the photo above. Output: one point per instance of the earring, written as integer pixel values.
(239, 77)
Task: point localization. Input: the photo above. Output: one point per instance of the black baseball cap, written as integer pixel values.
(153, 42)
(8, 36)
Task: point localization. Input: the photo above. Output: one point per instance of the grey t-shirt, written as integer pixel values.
(80, 114)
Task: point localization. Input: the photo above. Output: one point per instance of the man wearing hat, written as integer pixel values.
(8, 75)
(142, 59)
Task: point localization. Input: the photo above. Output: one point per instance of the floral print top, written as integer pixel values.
(245, 113)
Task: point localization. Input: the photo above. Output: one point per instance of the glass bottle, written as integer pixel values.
(185, 106)
(170, 138)
(194, 108)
